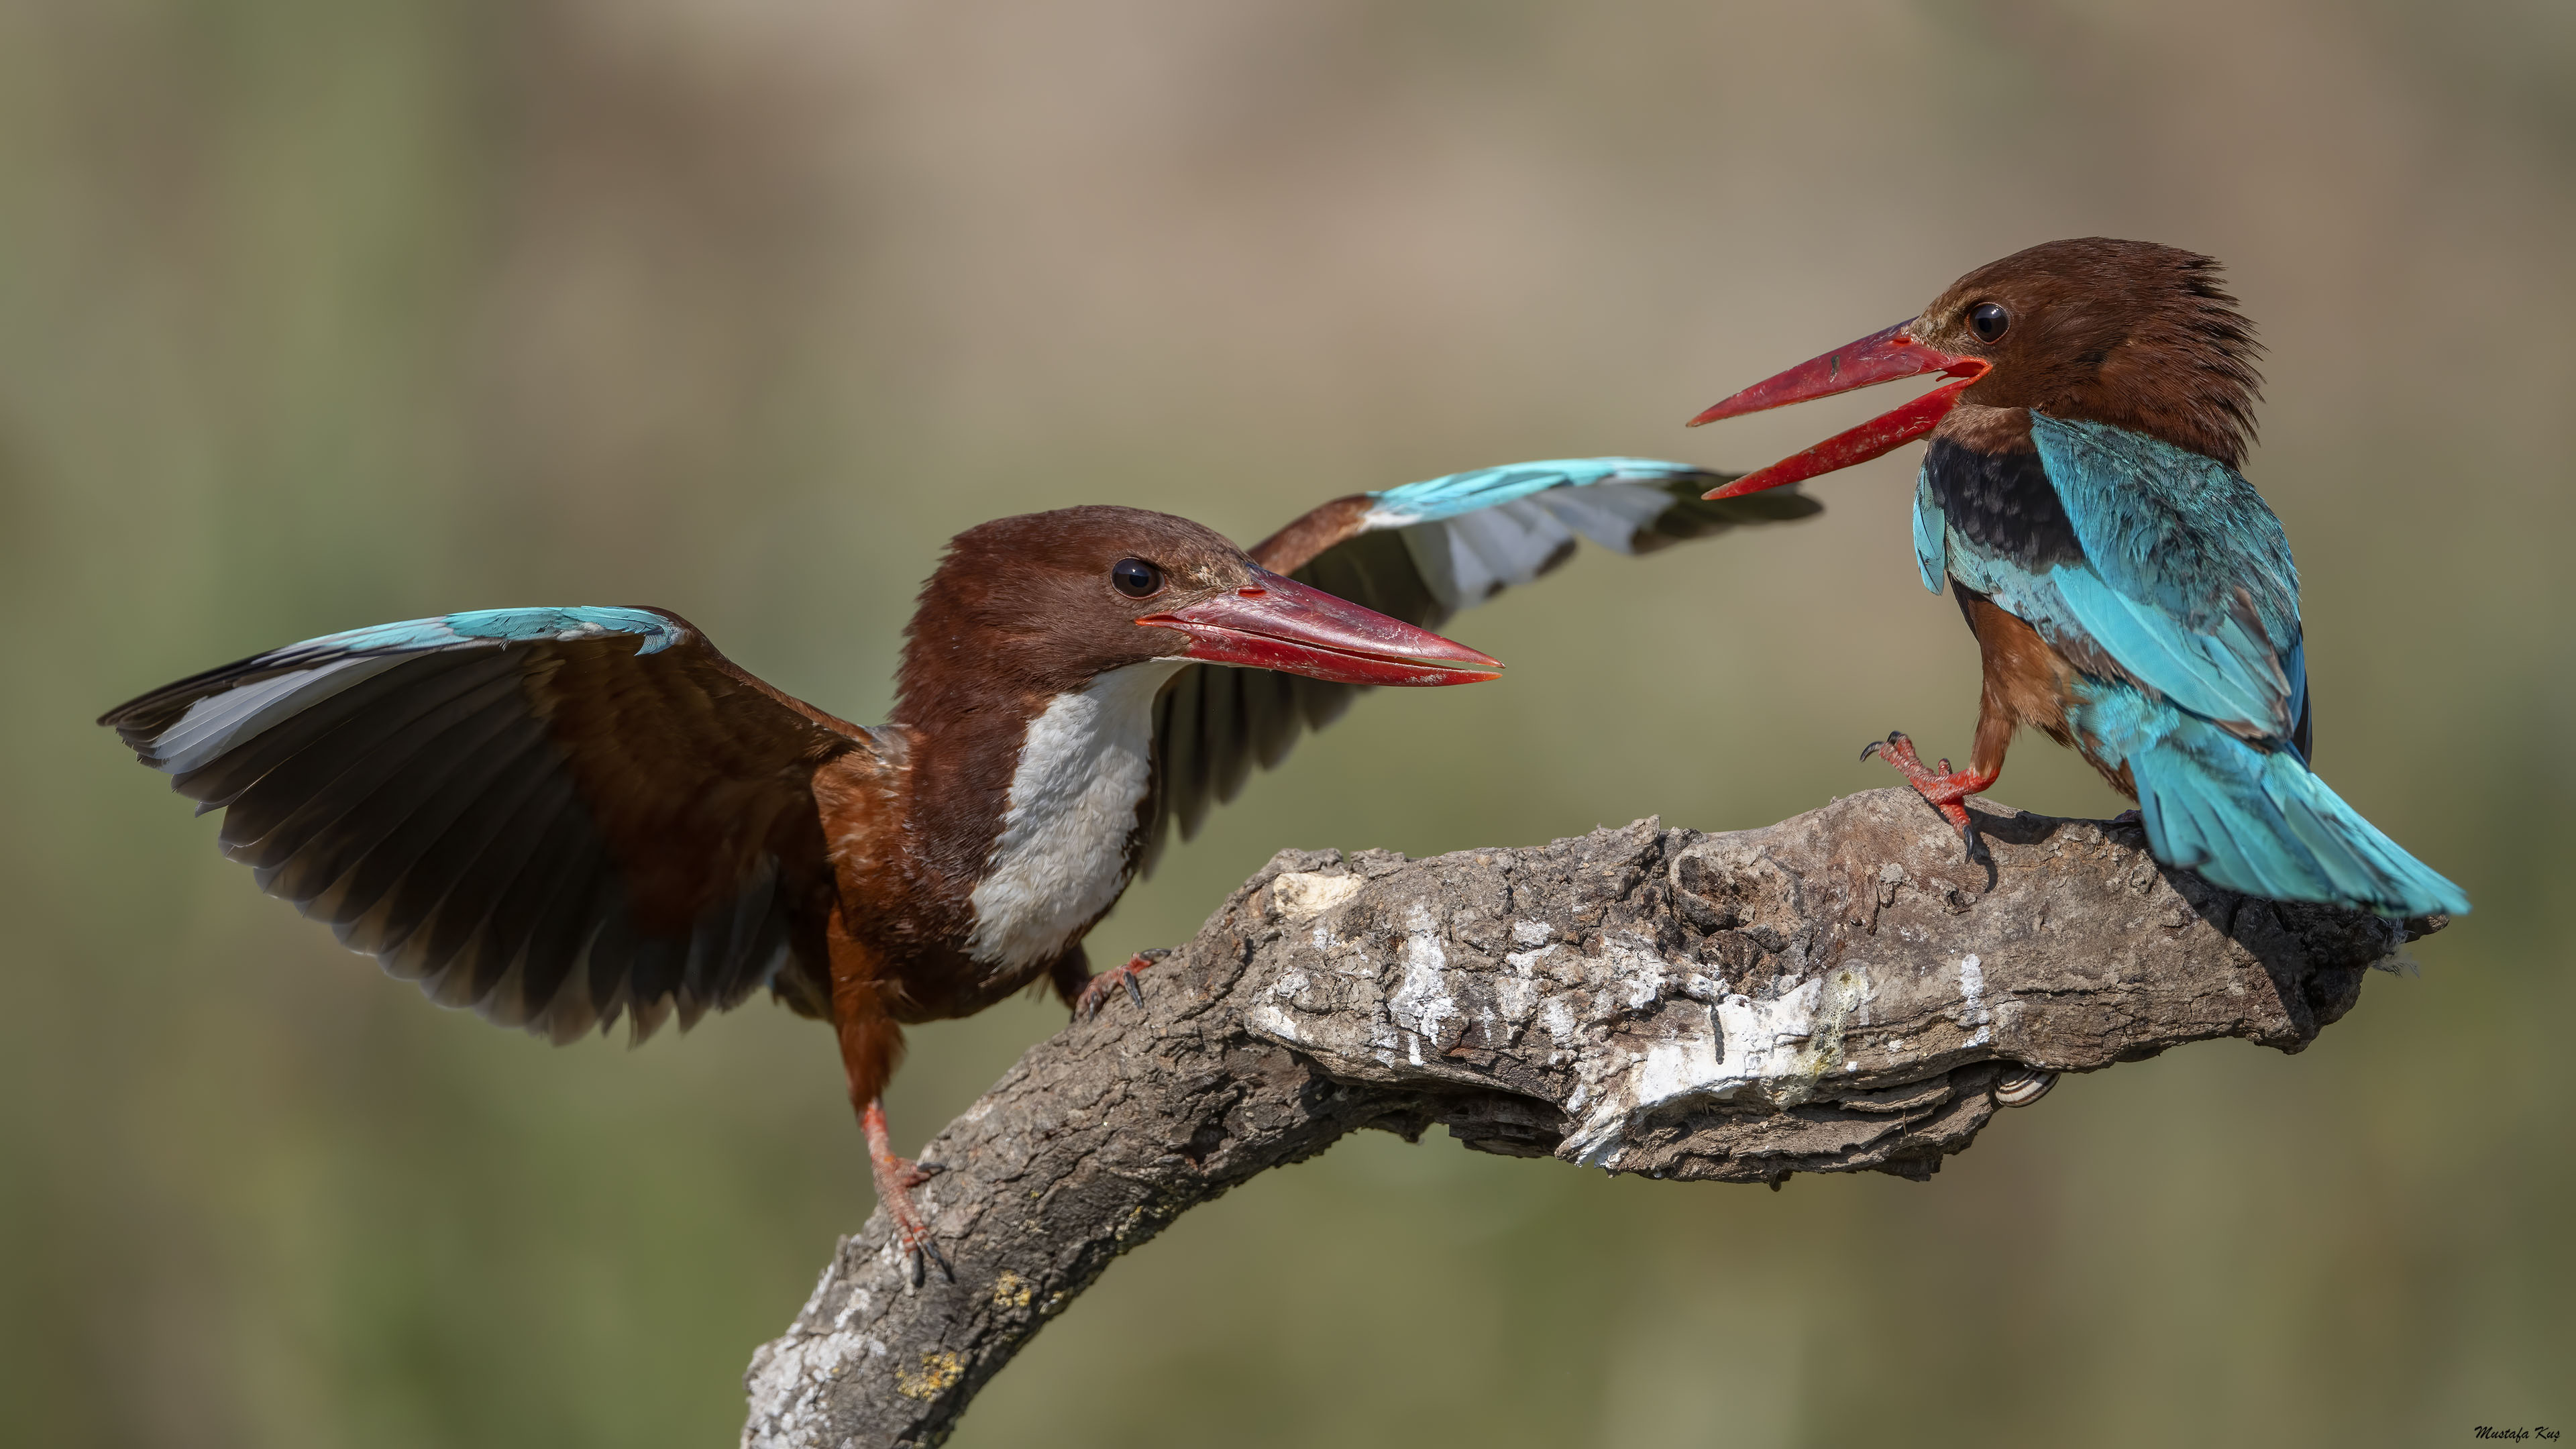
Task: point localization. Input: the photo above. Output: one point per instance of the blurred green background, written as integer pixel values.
(316, 313)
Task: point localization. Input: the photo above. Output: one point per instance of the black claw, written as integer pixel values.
(1871, 748)
(923, 1251)
(1134, 992)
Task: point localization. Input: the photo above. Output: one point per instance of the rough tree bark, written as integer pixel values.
(1839, 992)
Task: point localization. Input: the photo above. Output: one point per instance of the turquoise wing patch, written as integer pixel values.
(1931, 533)
(2230, 675)
(1471, 535)
(2187, 582)
(2168, 527)
(1456, 493)
(505, 626)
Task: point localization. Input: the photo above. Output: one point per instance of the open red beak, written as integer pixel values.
(1882, 356)
(1279, 623)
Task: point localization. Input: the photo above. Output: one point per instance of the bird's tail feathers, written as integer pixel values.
(2261, 822)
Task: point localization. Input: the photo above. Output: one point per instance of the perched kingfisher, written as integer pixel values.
(2130, 592)
(558, 815)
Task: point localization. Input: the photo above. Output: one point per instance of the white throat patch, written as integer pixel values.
(1062, 854)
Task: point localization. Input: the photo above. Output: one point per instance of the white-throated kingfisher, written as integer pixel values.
(555, 816)
(2131, 594)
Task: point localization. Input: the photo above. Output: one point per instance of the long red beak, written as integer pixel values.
(1279, 623)
(1882, 356)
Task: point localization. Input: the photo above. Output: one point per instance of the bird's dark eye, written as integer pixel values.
(1136, 578)
(1988, 321)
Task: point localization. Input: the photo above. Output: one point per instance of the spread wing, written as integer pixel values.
(2185, 587)
(1421, 553)
(548, 815)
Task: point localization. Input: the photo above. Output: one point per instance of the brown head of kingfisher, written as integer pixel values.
(557, 816)
(2131, 594)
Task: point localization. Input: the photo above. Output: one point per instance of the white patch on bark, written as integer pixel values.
(1775, 1049)
(1422, 1003)
(1309, 893)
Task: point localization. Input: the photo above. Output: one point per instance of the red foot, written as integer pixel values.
(1095, 992)
(896, 1178)
(1943, 787)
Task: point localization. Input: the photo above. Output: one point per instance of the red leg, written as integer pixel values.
(871, 1044)
(896, 1178)
(1944, 787)
(1095, 992)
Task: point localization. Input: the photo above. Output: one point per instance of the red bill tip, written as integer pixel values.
(1883, 356)
(1885, 433)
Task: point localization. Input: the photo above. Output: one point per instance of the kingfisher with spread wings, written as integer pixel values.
(2131, 594)
(560, 816)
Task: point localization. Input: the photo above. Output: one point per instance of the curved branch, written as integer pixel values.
(1836, 993)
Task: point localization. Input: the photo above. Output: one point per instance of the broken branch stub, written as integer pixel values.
(1843, 991)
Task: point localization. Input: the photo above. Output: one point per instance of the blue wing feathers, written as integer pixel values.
(518, 626)
(2186, 585)
(1471, 535)
(1456, 493)
(1931, 533)
(2171, 528)
(2187, 581)
(2224, 675)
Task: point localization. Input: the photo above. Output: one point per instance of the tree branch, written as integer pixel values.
(1839, 992)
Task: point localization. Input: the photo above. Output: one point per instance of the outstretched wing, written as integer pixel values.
(1421, 553)
(549, 815)
(2185, 586)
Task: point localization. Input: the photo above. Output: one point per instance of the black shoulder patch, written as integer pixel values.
(2002, 502)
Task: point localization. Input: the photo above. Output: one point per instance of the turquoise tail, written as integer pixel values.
(2261, 822)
